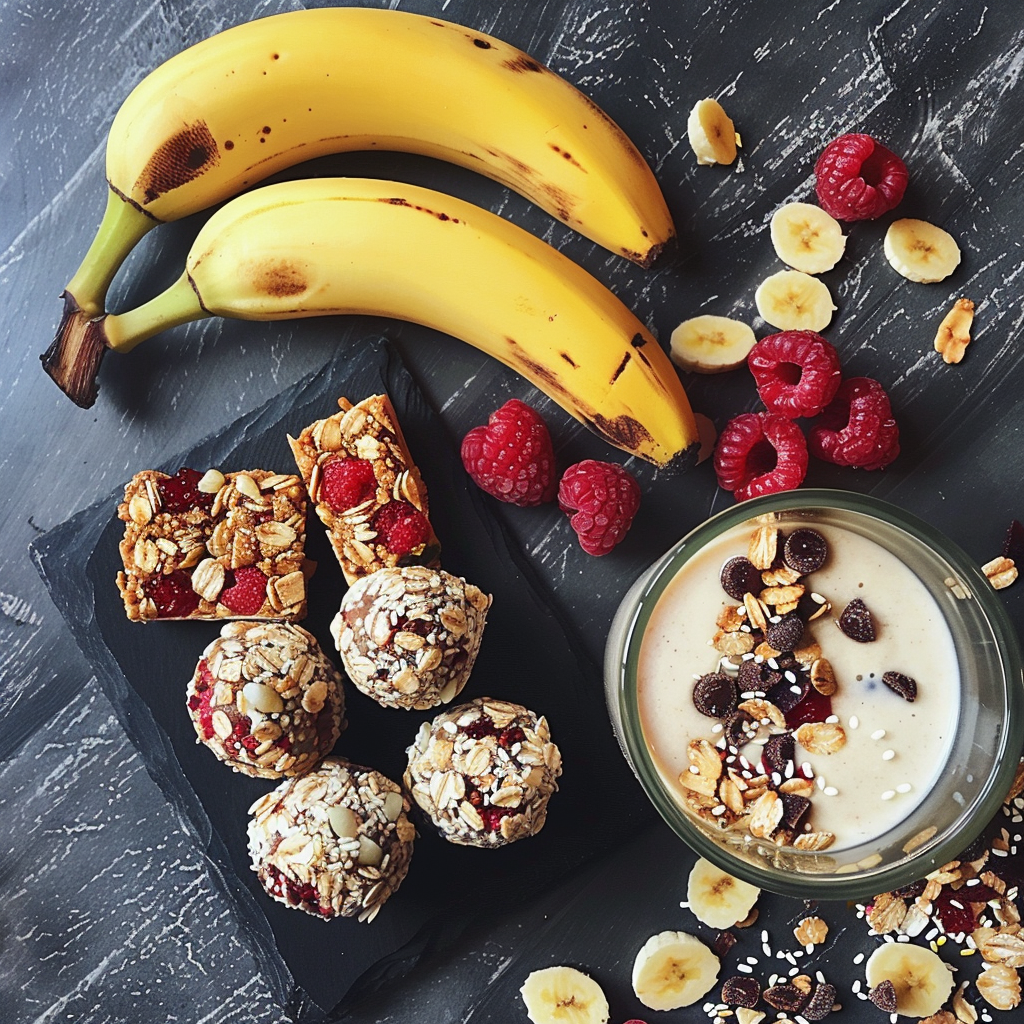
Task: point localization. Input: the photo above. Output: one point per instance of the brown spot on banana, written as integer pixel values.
(569, 359)
(185, 156)
(277, 278)
(520, 62)
(566, 155)
(622, 431)
(620, 368)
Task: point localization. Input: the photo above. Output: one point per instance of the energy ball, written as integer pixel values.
(408, 636)
(334, 843)
(266, 700)
(483, 772)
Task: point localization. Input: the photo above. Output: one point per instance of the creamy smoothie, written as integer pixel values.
(894, 749)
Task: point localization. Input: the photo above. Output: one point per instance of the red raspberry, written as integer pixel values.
(797, 372)
(180, 492)
(760, 453)
(604, 498)
(347, 482)
(173, 595)
(401, 527)
(512, 458)
(247, 593)
(857, 428)
(859, 179)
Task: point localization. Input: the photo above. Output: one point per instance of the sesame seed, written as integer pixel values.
(817, 598)
(820, 977)
(805, 767)
(820, 782)
(796, 690)
(773, 664)
(906, 787)
(854, 721)
(719, 810)
(717, 727)
(878, 734)
(858, 959)
(745, 968)
(832, 719)
(887, 795)
(888, 755)
(830, 791)
(789, 676)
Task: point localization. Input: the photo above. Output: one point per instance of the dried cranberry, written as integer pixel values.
(180, 492)
(955, 912)
(511, 736)
(479, 728)
(173, 595)
(492, 817)
(475, 797)
(814, 707)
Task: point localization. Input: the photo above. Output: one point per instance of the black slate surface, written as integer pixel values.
(525, 657)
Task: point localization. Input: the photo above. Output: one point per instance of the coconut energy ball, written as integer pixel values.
(334, 843)
(483, 772)
(266, 700)
(408, 636)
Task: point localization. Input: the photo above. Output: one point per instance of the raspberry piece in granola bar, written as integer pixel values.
(347, 482)
(181, 492)
(401, 527)
(246, 594)
(858, 178)
(172, 595)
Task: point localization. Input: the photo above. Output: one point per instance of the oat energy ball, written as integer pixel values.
(483, 772)
(334, 843)
(408, 636)
(266, 700)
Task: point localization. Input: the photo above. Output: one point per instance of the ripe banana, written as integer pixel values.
(358, 245)
(711, 344)
(716, 898)
(711, 133)
(254, 99)
(920, 251)
(793, 301)
(673, 969)
(563, 995)
(921, 978)
(806, 238)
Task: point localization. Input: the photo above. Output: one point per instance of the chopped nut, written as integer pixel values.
(1000, 948)
(781, 577)
(1000, 987)
(733, 643)
(763, 547)
(1001, 572)
(802, 982)
(887, 913)
(730, 619)
(211, 481)
(810, 930)
(823, 678)
(954, 334)
(965, 1012)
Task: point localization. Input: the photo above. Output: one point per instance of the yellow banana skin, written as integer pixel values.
(356, 245)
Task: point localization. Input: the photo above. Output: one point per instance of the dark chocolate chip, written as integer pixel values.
(1013, 545)
(786, 695)
(750, 675)
(820, 1004)
(737, 732)
(739, 577)
(785, 997)
(741, 991)
(715, 695)
(856, 622)
(794, 808)
(724, 941)
(901, 684)
(785, 634)
(883, 995)
(778, 752)
(805, 551)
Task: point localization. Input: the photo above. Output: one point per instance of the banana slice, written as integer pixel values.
(712, 134)
(673, 969)
(563, 995)
(711, 344)
(716, 898)
(922, 981)
(793, 301)
(806, 238)
(920, 251)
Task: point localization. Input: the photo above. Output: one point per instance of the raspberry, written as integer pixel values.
(602, 500)
(347, 482)
(797, 372)
(401, 527)
(760, 453)
(859, 179)
(857, 428)
(173, 595)
(247, 593)
(181, 492)
(512, 458)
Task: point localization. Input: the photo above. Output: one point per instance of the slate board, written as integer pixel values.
(526, 656)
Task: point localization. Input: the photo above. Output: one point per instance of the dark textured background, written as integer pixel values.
(111, 906)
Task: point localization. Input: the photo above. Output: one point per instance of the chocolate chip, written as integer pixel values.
(778, 752)
(856, 622)
(737, 730)
(1013, 546)
(715, 695)
(901, 684)
(785, 634)
(724, 941)
(741, 991)
(794, 808)
(786, 695)
(909, 892)
(785, 997)
(883, 995)
(739, 577)
(821, 1003)
(750, 676)
(805, 551)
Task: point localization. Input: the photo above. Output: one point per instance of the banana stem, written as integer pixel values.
(176, 305)
(120, 230)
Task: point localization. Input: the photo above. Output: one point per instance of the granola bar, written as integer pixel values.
(366, 489)
(334, 843)
(213, 546)
(266, 700)
(484, 772)
(408, 637)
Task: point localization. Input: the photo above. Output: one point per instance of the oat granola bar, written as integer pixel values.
(334, 843)
(266, 700)
(366, 489)
(408, 637)
(213, 546)
(484, 772)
